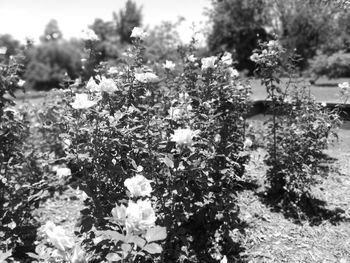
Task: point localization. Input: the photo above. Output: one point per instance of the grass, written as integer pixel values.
(324, 90)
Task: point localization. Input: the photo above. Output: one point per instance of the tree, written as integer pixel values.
(11, 45)
(126, 20)
(49, 62)
(51, 32)
(238, 25)
(305, 26)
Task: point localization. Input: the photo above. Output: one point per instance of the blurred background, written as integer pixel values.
(45, 36)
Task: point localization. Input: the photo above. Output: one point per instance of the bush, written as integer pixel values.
(19, 183)
(184, 132)
(298, 132)
(336, 65)
(50, 62)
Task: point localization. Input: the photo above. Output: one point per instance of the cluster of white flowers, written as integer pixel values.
(269, 54)
(169, 65)
(82, 101)
(184, 137)
(58, 236)
(147, 77)
(64, 243)
(227, 59)
(139, 33)
(208, 62)
(139, 215)
(105, 85)
(89, 34)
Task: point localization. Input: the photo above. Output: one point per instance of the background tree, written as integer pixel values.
(305, 26)
(238, 25)
(12, 47)
(49, 62)
(126, 20)
(51, 32)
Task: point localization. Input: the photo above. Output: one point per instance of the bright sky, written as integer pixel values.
(28, 18)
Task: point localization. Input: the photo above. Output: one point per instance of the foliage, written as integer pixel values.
(12, 46)
(191, 147)
(298, 132)
(335, 65)
(19, 183)
(126, 20)
(163, 42)
(51, 32)
(49, 63)
(237, 28)
(305, 26)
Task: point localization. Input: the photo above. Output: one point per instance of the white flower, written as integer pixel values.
(177, 113)
(233, 73)
(344, 85)
(183, 137)
(107, 85)
(58, 237)
(169, 65)
(63, 172)
(138, 186)
(89, 34)
(140, 215)
(92, 85)
(208, 62)
(183, 96)
(147, 77)
(227, 58)
(113, 70)
(223, 260)
(138, 32)
(191, 58)
(247, 143)
(21, 83)
(119, 213)
(78, 255)
(255, 57)
(82, 102)
(323, 104)
(3, 50)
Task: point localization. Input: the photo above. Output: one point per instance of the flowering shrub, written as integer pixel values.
(183, 133)
(298, 132)
(19, 184)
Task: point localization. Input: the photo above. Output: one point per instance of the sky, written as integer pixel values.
(28, 18)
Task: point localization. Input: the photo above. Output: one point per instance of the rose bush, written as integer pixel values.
(183, 131)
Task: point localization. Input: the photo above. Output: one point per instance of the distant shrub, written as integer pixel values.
(50, 62)
(336, 65)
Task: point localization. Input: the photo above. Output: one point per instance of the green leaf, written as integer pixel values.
(5, 255)
(155, 234)
(140, 242)
(153, 248)
(113, 257)
(168, 162)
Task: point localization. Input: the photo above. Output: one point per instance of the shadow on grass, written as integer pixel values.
(307, 208)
